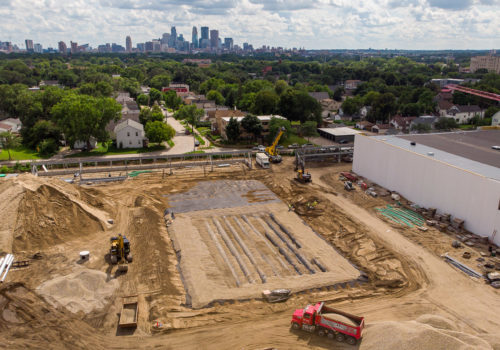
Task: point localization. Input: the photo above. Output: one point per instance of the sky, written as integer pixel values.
(320, 24)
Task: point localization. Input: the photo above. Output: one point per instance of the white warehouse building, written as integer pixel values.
(456, 173)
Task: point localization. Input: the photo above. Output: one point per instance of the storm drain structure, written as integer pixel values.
(234, 239)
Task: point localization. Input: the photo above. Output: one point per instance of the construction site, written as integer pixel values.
(201, 242)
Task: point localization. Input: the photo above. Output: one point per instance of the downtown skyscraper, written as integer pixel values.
(194, 38)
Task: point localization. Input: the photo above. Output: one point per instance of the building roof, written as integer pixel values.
(340, 131)
(444, 104)
(382, 126)
(320, 95)
(467, 109)
(128, 122)
(403, 121)
(470, 150)
(12, 121)
(5, 126)
(221, 113)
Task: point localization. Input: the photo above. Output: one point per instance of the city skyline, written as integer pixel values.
(324, 24)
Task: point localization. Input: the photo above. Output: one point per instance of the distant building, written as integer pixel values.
(204, 33)
(200, 62)
(402, 123)
(37, 48)
(29, 45)
(215, 117)
(194, 38)
(11, 124)
(179, 88)
(228, 43)
(429, 120)
(447, 81)
(319, 96)
(129, 134)
(165, 38)
(62, 47)
(128, 43)
(490, 63)
(74, 47)
(173, 37)
(352, 84)
(140, 47)
(148, 46)
(214, 39)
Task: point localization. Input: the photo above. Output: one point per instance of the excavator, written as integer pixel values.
(271, 151)
(120, 252)
(302, 175)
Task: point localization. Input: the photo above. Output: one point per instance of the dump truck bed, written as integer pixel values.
(128, 315)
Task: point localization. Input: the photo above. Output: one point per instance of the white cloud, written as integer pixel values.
(320, 24)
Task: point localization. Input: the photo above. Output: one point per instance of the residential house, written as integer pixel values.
(463, 114)
(50, 83)
(5, 127)
(429, 120)
(352, 84)
(319, 95)
(495, 120)
(129, 134)
(364, 125)
(401, 123)
(181, 89)
(79, 144)
(215, 117)
(15, 124)
(443, 106)
(264, 119)
(130, 110)
(329, 107)
(381, 128)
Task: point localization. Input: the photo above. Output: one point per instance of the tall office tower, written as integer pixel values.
(228, 43)
(128, 44)
(37, 48)
(63, 48)
(74, 47)
(194, 37)
(173, 37)
(204, 33)
(165, 39)
(149, 46)
(29, 45)
(140, 47)
(214, 39)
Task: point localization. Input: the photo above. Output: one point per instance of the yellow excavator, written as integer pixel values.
(120, 252)
(272, 151)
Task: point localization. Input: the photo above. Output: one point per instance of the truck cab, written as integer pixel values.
(304, 318)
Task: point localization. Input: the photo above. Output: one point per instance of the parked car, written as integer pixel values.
(496, 147)
(196, 143)
(307, 145)
(279, 147)
(343, 141)
(293, 145)
(262, 148)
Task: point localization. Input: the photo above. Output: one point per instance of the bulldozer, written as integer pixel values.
(120, 252)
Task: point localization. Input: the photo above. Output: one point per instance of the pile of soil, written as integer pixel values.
(427, 332)
(36, 213)
(84, 290)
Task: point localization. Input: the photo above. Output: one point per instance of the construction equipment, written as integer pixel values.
(331, 322)
(276, 295)
(120, 252)
(262, 159)
(129, 312)
(302, 175)
(271, 151)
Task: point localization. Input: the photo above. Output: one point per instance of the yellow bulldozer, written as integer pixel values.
(120, 252)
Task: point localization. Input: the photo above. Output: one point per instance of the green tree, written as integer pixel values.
(216, 96)
(157, 131)
(81, 117)
(41, 131)
(233, 130)
(190, 113)
(266, 102)
(337, 94)
(280, 86)
(383, 107)
(9, 141)
(171, 99)
(490, 112)
(445, 124)
(350, 106)
(421, 128)
(309, 129)
(298, 105)
(154, 96)
(252, 125)
(275, 126)
(147, 114)
(143, 100)
(159, 81)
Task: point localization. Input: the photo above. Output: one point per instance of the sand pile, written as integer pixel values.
(427, 332)
(36, 213)
(84, 290)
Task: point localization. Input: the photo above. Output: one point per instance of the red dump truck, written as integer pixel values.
(330, 322)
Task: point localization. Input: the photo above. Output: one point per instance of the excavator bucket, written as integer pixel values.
(122, 268)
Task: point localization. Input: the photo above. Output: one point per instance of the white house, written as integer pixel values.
(79, 144)
(129, 134)
(14, 123)
(495, 120)
(463, 114)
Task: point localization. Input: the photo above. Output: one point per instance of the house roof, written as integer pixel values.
(5, 126)
(221, 113)
(262, 118)
(128, 122)
(382, 126)
(342, 131)
(12, 121)
(400, 120)
(444, 105)
(319, 95)
(468, 108)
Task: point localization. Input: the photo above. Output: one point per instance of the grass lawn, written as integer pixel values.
(20, 153)
(104, 149)
(293, 139)
(170, 143)
(467, 127)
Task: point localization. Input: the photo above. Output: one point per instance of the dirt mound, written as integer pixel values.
(437, 322)
(36, 213)
(28, 322)
(416, 335)
(84, 290)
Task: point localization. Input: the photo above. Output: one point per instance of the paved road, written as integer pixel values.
(183, 143)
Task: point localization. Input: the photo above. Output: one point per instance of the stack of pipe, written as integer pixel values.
(5, 264)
